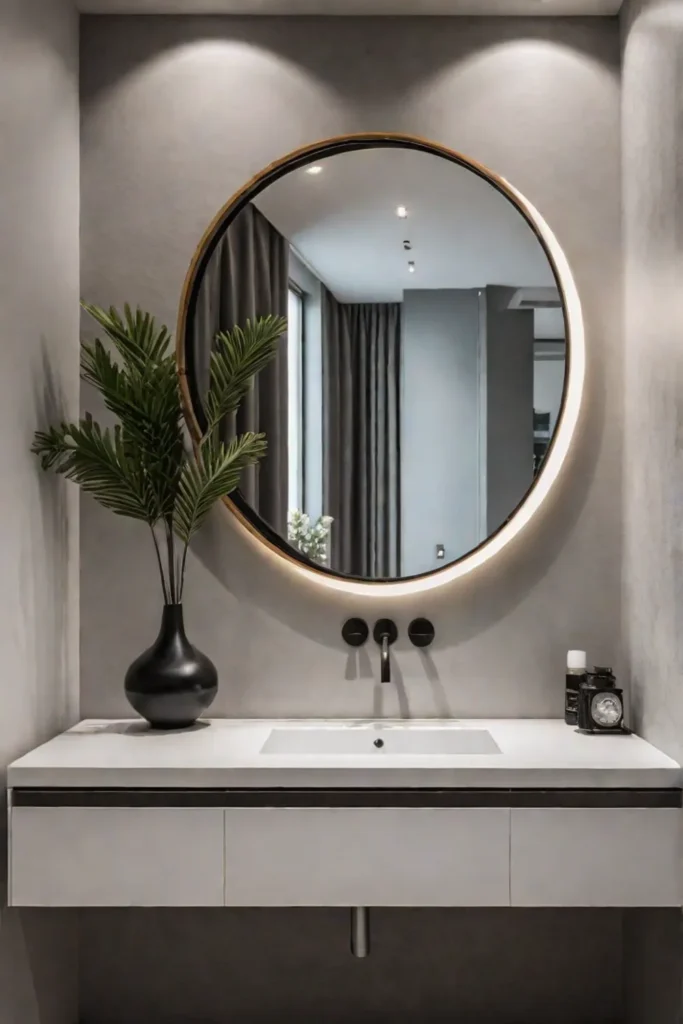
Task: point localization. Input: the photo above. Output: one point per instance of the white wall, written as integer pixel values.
(39, 275)
(440, 425)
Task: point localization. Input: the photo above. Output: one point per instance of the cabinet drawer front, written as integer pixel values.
(595, 857)
(116, 857)
(367, 857)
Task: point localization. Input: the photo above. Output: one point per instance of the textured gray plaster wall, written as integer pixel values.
(176, 114)
(653, 321)
(652, 126)
(39, 554)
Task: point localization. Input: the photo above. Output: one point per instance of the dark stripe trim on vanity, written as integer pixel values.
(346, 797)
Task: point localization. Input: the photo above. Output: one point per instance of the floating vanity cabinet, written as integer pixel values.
(595, 857)
(269, 848)
(116, 857)
(367, 856)
(538, 816)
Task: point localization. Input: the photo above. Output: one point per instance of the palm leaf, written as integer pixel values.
(97, 461)
(143, 400)
(215, 473)
(240, 354)
(135, 335)
(145, 396)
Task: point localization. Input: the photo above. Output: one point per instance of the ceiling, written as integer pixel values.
(343, 222)
(463, 232)
(544, 8)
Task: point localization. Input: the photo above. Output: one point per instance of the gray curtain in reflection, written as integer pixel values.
(248, 277)
(361, 417)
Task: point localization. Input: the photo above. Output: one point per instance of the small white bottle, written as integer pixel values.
(576, 675)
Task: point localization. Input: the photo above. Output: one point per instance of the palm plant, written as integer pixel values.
(141, 468)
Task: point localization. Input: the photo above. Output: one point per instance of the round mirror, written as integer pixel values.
(415, 402)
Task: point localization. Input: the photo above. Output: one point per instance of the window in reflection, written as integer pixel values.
(295, 405)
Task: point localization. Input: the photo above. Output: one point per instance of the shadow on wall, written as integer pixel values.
(57, 503)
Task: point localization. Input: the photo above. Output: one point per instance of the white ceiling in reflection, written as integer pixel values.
(462, 232)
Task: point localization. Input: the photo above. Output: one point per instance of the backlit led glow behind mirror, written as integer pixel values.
(429, 385)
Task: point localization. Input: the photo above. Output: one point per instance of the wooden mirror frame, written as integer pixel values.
(267, 540)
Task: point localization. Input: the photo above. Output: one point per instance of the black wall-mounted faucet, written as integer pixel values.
(355, 633)
(385, 634)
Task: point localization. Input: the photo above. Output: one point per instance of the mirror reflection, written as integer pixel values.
(421, 379)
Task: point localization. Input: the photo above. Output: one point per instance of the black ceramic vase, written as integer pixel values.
(172, 683)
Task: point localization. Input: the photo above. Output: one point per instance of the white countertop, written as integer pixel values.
(226, 753)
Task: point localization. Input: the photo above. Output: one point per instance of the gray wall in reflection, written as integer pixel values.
(176, 114)
(441, 421)
(509, 406)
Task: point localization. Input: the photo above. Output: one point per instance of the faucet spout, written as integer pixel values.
(386, 660)
(385, 633)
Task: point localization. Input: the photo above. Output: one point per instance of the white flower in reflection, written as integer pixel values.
(309, 538)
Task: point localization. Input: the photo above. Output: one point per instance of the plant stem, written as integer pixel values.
(161, 568)
(181, 574)
(170, 552)
(210, 436)
(179, 582)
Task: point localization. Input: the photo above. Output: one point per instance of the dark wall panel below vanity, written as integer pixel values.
(262, 966)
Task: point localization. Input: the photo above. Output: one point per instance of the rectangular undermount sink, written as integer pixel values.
(408, 741)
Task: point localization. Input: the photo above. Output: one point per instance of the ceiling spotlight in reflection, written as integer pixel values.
(315, 169)
(411, 267)
(401, 212)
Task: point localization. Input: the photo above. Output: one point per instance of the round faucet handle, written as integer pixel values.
(355, 632)
(421, 632)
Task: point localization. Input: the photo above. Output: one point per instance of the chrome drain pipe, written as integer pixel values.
(360, 932)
